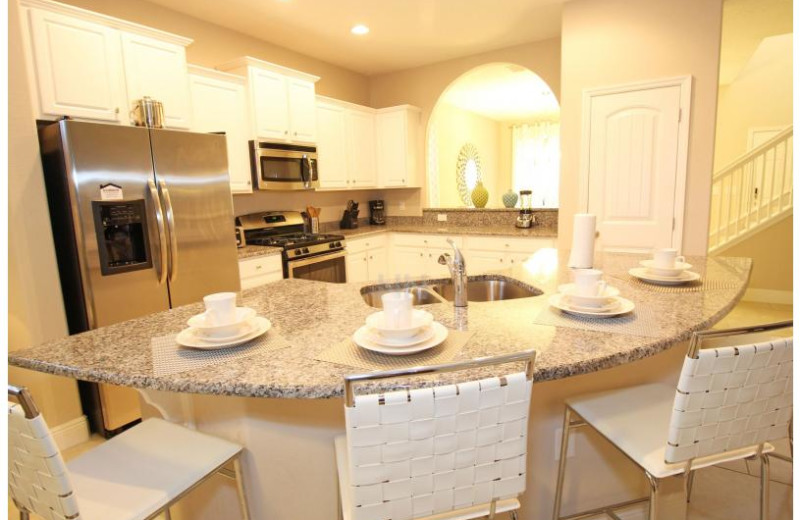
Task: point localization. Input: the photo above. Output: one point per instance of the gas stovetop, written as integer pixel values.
(293, 240)
(286, 229)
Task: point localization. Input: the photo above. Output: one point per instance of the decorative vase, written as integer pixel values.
(480, 195)
(510, 198)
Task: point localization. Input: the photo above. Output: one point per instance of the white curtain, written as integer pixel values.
(536, 158)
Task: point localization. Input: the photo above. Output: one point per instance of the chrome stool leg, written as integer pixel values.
(652, 514)
(689, 484)
(562, 462)
(237, 469)
(764, 486)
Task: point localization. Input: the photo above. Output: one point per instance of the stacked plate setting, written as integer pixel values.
(605, 304)
(378, 335)
(668, 272)
(203, 333)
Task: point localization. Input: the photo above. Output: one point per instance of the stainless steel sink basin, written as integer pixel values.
(488, 290)
(479, 289)
(422, 294)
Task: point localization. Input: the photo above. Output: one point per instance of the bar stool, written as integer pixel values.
(455, 451)
(133, 476)
(730, 402)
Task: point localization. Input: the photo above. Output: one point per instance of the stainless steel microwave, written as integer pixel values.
(283, 166)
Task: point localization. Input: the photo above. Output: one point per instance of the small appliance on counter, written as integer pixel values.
(377, 213)
(526, 218)
(350, 216)
(240, 240)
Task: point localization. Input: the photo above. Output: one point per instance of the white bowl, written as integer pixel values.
(679, 268)
(202, 326)
(601, 300)
(419, 320)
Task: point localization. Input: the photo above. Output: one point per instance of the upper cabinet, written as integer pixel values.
(282, 101)
(220, 105)
(157, 69)
(397, 134)
(91, 66)
(345, 145)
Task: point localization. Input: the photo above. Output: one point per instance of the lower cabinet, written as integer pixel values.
(491, 253)
(260, 270)
(367, 259)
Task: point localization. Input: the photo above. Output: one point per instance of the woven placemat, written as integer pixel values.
(171, 358)
(713, 276)
(696, 286)
(347, 353)
(639, 322)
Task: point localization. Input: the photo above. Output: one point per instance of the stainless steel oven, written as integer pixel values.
(283, 166)
(329, 267)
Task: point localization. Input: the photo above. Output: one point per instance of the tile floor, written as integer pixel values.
(720, 493)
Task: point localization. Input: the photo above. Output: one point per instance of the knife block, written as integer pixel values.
(349, 220)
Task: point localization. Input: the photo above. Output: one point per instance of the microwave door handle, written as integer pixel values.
(173, 240)
(306, 173)
(162, 239)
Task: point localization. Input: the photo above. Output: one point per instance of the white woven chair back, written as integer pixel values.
(730, 398)
(37, 476)
(432, 450)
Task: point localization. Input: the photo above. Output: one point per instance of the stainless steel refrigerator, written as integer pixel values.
(142, 222)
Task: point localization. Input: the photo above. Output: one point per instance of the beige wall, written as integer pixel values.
(454, 128)
(214, 45)
(35, 311)
(771, 251)
(760, 96)
(422, 86)
(612, 42)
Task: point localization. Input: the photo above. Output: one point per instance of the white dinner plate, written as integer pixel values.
(440, 334)
(568, 300)
(424, 334)
(679, 268)
(559, 301)
(598, 302)
(189, 338)
(646, 276)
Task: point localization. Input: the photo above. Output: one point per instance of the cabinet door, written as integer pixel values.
(269, 104)
(302, 111)
(357, 270)
(391, 135)
(78, 67)
(360, 149)
(331, 146)
(482, 261)
(158, 69)
(221, 106)
(409, 261)
(378, 262)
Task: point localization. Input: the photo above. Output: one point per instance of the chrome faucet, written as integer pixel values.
(458, 271)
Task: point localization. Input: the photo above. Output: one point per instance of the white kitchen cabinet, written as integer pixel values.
(260, 270)
(282, 100)
(345, 145)
(219, 104)
(408, 262)
(367, 259)
(77, 66)
(397, 141)
(331, 151)
(491, 253)
(418, 254)
(157, 69)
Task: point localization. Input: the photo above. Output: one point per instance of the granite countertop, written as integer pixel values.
(314, 316)
(254, 251)
(505, 231)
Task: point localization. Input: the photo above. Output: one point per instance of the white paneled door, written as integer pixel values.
(635, 168)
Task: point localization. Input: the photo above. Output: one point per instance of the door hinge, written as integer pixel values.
(680, 115)
(673, 223)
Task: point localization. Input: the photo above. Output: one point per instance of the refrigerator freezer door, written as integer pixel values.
(192, 175)
(119, 158)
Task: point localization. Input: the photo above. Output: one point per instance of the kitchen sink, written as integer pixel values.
(479, 289)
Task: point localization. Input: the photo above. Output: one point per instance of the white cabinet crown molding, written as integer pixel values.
(215, 74)
(398, 108)
(249, 61)
(108, 21)
(325, 100)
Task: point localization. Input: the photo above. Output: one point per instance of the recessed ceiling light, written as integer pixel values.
(359, 29)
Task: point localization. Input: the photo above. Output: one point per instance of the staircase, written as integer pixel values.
(752, 193)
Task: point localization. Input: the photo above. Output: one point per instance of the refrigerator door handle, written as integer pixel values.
(173, 240)
(162, 240)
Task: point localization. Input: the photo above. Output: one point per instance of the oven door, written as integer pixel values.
(329, 267)
(285, 169)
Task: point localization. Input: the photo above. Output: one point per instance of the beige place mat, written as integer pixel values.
(641, 321)
(171, 358)
(348, 353)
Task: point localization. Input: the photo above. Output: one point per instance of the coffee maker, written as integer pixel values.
(377, 213)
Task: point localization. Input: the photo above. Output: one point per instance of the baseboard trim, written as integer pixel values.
(71, 433)
(768, 296)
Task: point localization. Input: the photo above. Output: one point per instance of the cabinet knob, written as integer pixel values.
(506, 245)
(248, 183)
(365, 258)
(421, 254)
(501, 260)
(371, 258)
(258, 267)
(116, 110)
(512, 260)
(295, 133)
(285, 132)
(403, 180)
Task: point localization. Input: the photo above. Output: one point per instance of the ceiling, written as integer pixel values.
(504, 93)
(745, 23)
(403, 33)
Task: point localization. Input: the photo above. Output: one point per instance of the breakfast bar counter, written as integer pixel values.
(284, 403)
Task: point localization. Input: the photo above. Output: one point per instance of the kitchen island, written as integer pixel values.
(286, 407)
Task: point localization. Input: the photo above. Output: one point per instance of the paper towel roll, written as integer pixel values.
(583, 233)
